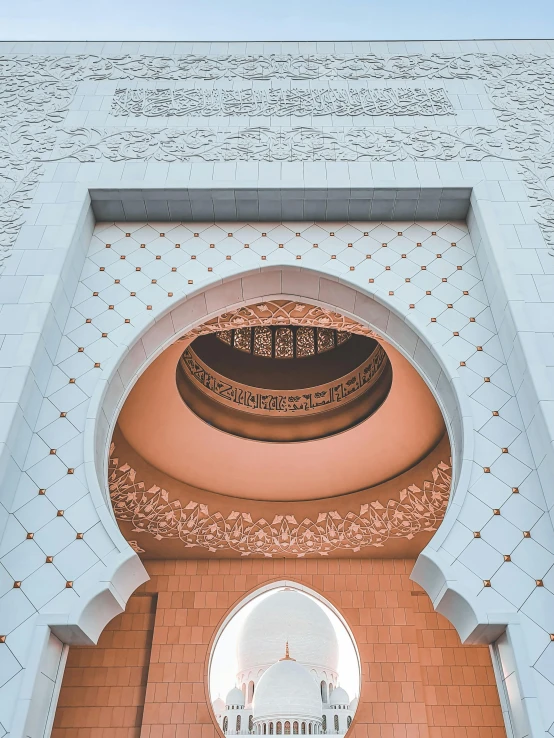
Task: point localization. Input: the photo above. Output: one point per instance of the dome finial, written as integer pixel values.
(287, 656)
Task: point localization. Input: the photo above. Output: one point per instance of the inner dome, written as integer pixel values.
(300, 384)
(168, 444)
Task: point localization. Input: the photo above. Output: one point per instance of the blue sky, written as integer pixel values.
(274, 19)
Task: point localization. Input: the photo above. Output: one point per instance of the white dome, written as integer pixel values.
(354, 704)
(287, 691)
(235, 698)
(218, 706)
(339, 696)
(287, 616)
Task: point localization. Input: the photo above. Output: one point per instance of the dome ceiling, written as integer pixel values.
(378, 441)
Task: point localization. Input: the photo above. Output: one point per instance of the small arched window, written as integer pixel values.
(279, 728)
(265, 728)
(270, 728)
(310, 728)
(324, 723)
(238, 723)
(348, 721)
(336, 723)
(295, 728)
(250, 724)
(225, 724)
(303, 728)
(287, 727)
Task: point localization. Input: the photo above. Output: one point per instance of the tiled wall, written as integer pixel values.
(104, 687)
(418, 681)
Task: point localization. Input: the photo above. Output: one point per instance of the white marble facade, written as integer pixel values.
(98, 140)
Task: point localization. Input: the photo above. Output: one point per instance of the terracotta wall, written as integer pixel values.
(417, 679)
(104, 686)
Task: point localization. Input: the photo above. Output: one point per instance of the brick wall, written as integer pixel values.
(418, 681)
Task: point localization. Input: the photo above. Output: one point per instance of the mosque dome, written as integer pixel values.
(287, 616)
(340, 697)
(287, 691)
(219, 706)
(354, 704)
(235, 698)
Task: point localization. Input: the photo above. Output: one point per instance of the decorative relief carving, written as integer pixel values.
(35, 92)
(277, 102)
(151, 511)
(282, 144)
(280, 312)
(281, 403)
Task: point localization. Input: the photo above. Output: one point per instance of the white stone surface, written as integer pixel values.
(497, 142)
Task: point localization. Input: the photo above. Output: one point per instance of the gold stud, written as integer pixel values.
(143, 245)
(495, 413)
(486, 379)
(170, 294)
(264, 258)
(371, 281)
(316, 245)
(117, 281)
(196, 235)
(30, 536)
(154, 281)
(504, 450)
(108, 245)
(52, 452)
(88, 320)
(68, 585)
(102, 269)
(190, 281)
(71, 471)
(515, 490)
(366, 233)
(527, 534)
(138, 269)
(423, 268)
(433, 320)
(486, 582)
(439, 256)
(433, 233)
(427, 292)
(72, 380)
(79, 536)
(418, 244)
(173, 269)
(246, 245)
(476, 534)
(149, 307)
(97, 365)
(297, 234)
(391, 292)
(349, 245)
(479, 348)
(412, 306)
(444, 279)
(162, 235)
(281, 246)
(264, 234)
(407, 279)
(496, 511)
(158, 257)
(539, 582)
(399, 233)
(49, 559)
(228, 258)
(110, 307)
(127, 320)
(507, 557)
(42, 491)
(16, 585)
(193, 257)
(95, 294)
(331, 233)
(487, 469)
(462, 363)
(104, 335)
(387, 268)
(453, 244)
(123, 257)
(127, 235)
(455, 333)
(177, 245)
(60, 514)
(2, 639)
